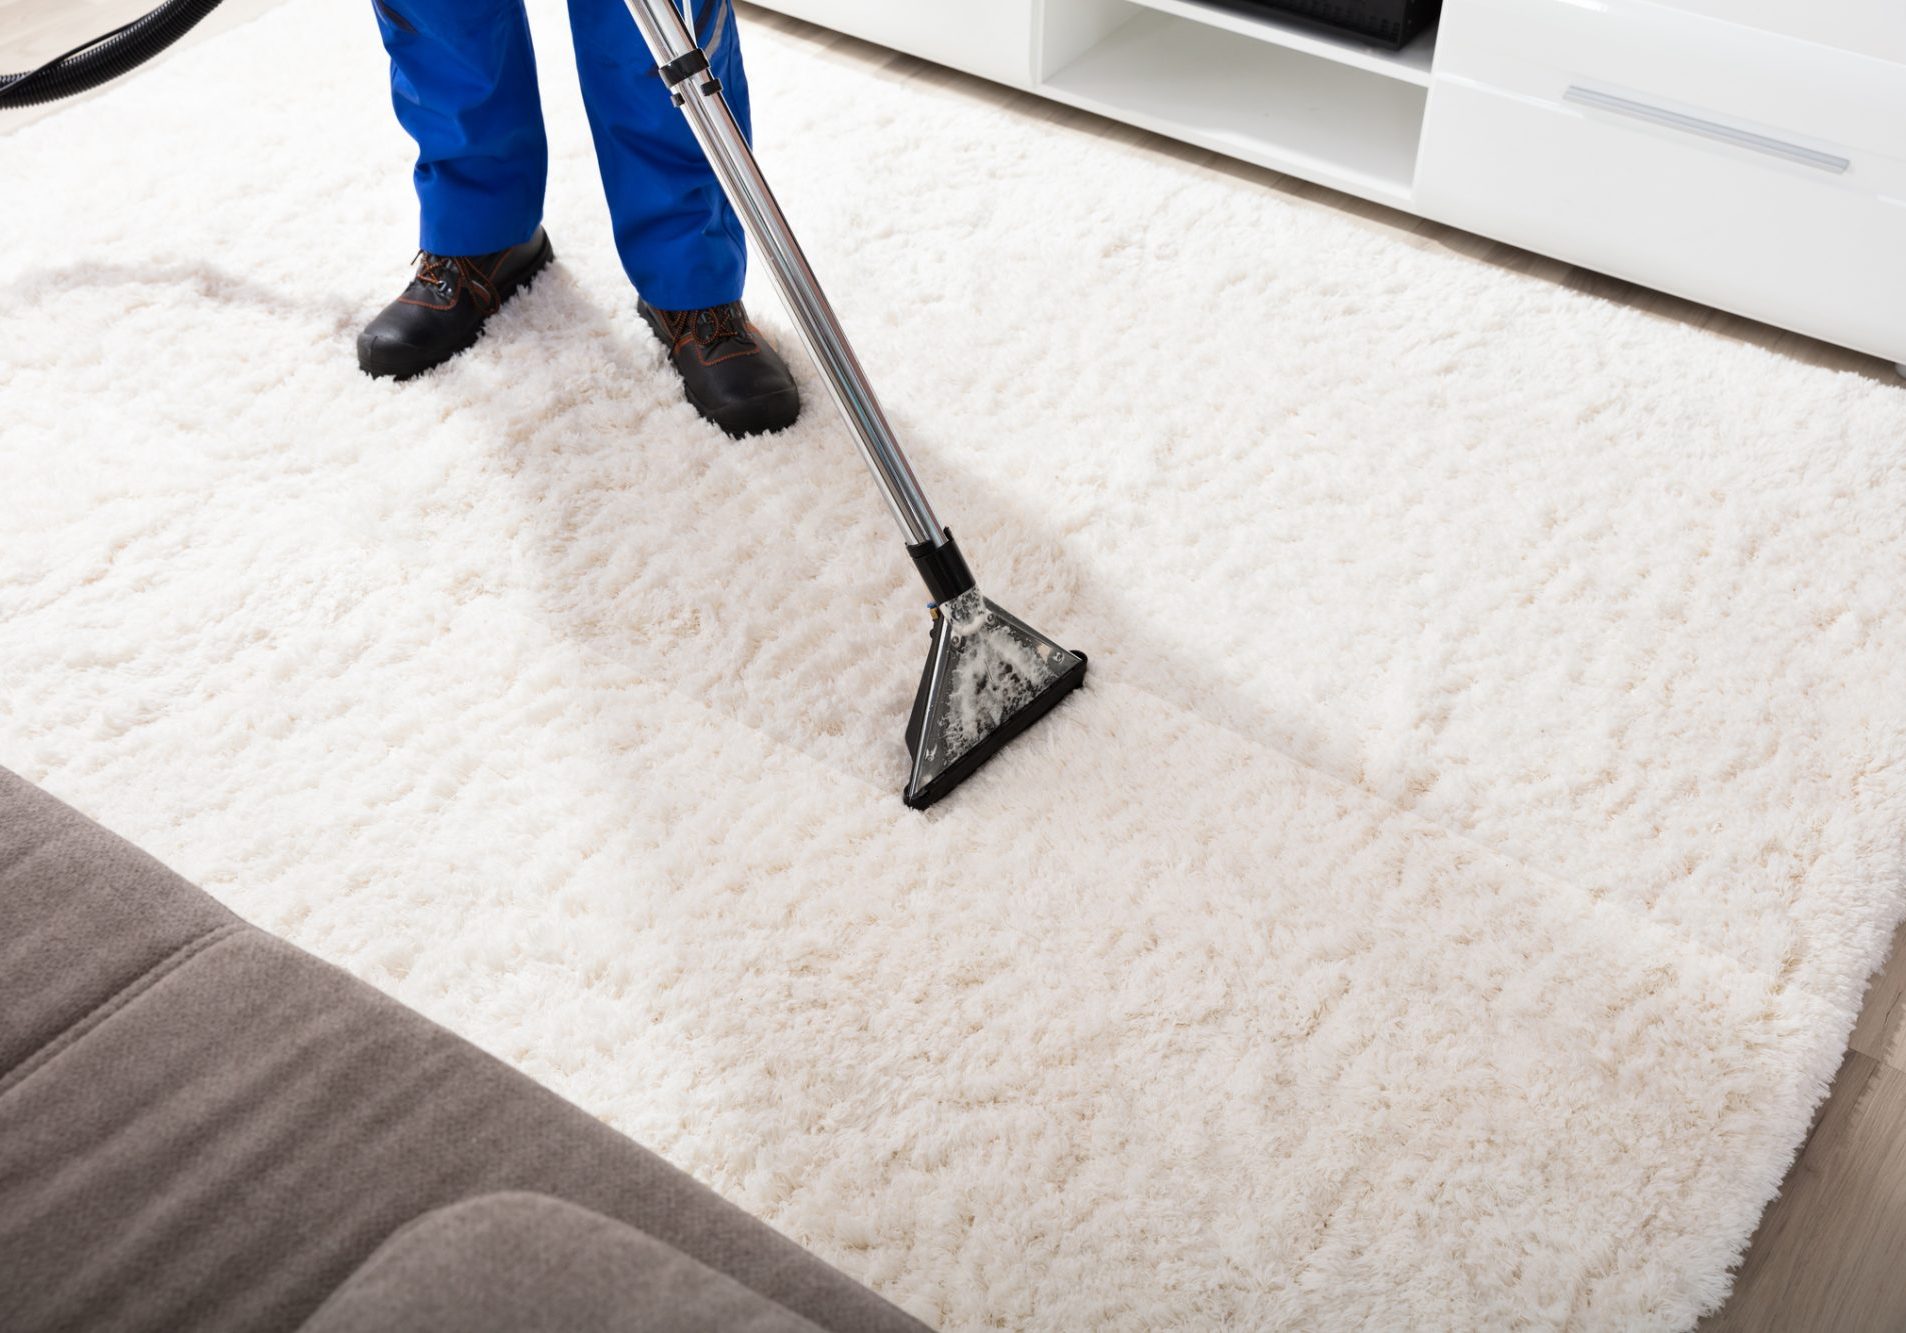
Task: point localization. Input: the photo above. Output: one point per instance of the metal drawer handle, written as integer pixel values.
(1707, 129)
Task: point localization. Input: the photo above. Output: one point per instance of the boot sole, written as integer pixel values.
(522, 281)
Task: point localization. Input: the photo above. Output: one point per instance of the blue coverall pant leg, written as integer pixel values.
(463, 82)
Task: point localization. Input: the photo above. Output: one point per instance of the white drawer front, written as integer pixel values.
(1871, 27)
(1760, 228)
(1723, 70)
(991, 38)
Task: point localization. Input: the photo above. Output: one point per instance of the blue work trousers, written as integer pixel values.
(463, 81)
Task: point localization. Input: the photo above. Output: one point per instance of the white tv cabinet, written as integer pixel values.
(1748, 154)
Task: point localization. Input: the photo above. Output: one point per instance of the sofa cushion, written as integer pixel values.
(239, 1126)
(84, 916)
(527, 1263)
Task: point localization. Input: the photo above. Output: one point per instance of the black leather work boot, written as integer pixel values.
(728, 371)
(445, 307)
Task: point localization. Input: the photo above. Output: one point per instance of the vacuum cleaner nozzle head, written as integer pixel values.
(988, 677)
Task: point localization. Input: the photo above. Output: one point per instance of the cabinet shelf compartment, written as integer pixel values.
(1280, 106)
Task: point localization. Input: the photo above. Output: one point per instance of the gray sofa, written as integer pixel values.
(203, 1128)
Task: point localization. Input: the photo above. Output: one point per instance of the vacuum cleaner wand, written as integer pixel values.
(988, 675)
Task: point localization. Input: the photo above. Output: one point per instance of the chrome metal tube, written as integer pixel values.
(721, 140)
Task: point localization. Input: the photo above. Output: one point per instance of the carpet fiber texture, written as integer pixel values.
(1443, 908)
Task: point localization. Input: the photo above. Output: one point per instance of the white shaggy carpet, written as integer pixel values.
(1443, 908)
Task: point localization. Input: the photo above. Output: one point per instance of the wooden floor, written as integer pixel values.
(1830, 1255)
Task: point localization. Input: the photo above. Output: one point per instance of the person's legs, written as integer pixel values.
(463, 82)
(679, 241)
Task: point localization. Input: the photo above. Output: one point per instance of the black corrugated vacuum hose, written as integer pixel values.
(105, 57)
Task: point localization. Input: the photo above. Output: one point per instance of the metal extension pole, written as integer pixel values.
(684, 68)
